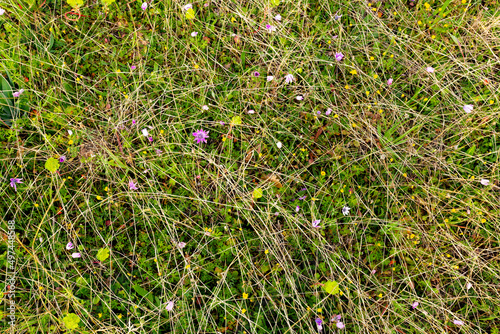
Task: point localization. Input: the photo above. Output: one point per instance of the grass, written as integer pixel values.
(405, 158)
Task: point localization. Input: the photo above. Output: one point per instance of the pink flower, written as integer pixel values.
(270, 77)
(188, 6)
(340, 325)
(150, 139)
(277, 17)
(70, 246)
(468, 108)
(133, 122)
(76, 255)
(170, 306)
(485, 182)
(430, 69)
(270, 28)
(201, 136)
(18, 93)
(299, 97)
(132, 185)
(144, 6)
(328, 111)
(62, 158)
(339, 56)
(389, 82)
(289, 78)
(205, 107)
(181, 245)
(297, 208)
(2, 11)
(194, 33)
(316, 223)
(458, 322)
(133, 67)
(468, 286)
(414, 305)
(373, 271)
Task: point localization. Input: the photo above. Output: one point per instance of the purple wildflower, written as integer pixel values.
(194, 33)
(458, 322)
(133, 67)
(150, 139)
(170, 306)
(289, 78)
(133, 122)
(144, 6)
(316, 223)
(389, 82)
(132, 185)
(256, 74)
(76, 255)
(201, 136)
(340, 325)
(297, 208)
(468, 108)
(414, 305)
(319, 323)
(339, 56)
(13, 182)
(62, 158)
(302, 197)
(70, 246)
(430, 69)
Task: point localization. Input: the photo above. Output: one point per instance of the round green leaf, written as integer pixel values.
(52, 165)
(71, 321)
(332, 287)
(257, 193)
(190, 14)
(102, 254)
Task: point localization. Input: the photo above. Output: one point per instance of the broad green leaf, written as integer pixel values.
(190, 14)
(275, 3)
(52, 165)
(102, 254)
(257, 193)
(331, 287)
(71, 321)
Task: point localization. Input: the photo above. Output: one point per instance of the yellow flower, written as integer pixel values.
(188, 266)
(335, 116)
(419, 22)
(100, 315)
(323, 173)
(353, 72)
(36, 205)
(233, 19)
(433, 36)
(70, 142)
(196, 66)
(243, 311)
(372, 58)
(266, 251)
(404, 174)
(380, 295)
(99, 197)
(491, 101)
(375, 76)
(367, 93)
(319, 310)
(119, 316)
(245, 295)
(346, 86)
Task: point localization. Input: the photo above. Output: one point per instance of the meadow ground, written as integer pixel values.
(256, 166)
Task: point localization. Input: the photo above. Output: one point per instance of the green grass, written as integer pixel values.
(406, 158)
